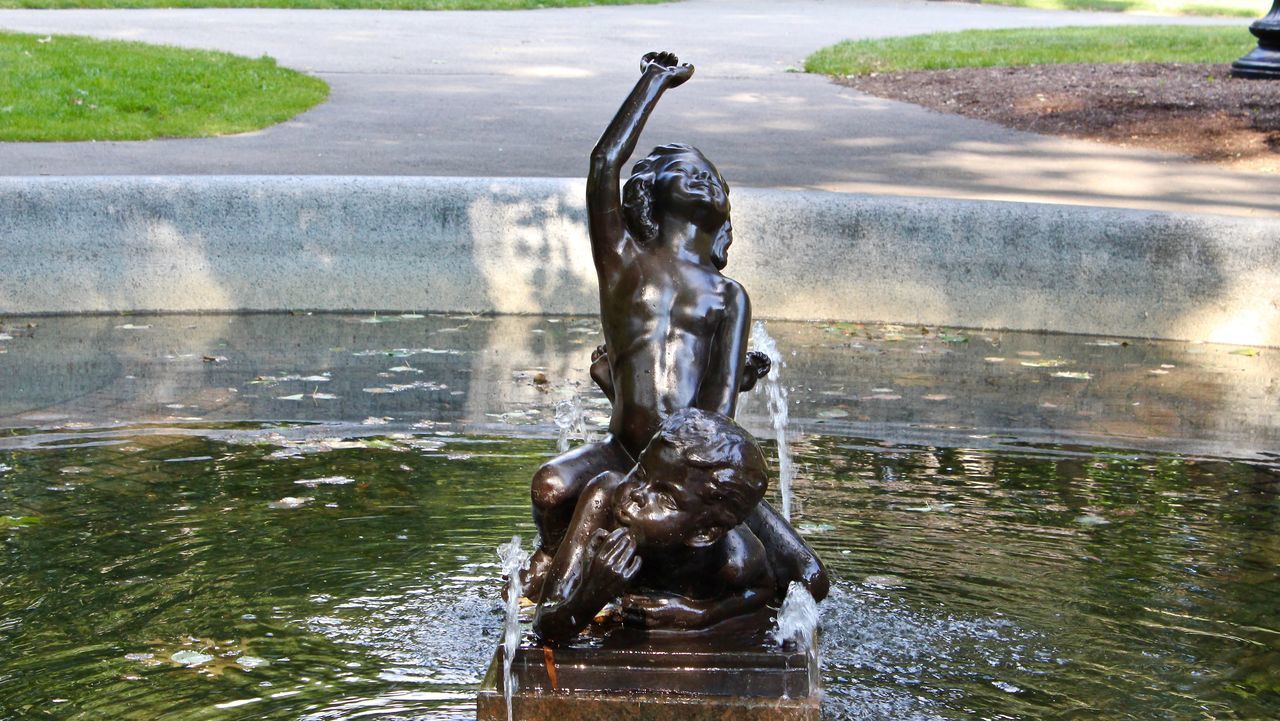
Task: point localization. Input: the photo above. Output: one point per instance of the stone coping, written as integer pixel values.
(518, 245)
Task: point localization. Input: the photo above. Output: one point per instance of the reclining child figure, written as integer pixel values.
(675, 328)
(668, 536)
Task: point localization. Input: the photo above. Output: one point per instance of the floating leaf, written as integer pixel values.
(314, 396)
(1249, 352)
(948, 338)
(1046, 363)
(190, 658)
(252, 661)
(325, 481)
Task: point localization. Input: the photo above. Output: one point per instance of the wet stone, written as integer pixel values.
(653, 678)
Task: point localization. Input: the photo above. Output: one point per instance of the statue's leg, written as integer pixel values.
(789, 556)
(555, 490)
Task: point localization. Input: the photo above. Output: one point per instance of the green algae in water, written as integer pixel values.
(166, 581)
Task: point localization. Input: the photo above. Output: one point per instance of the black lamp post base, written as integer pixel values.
(1261, 64)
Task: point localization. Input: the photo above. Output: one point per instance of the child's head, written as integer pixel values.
(678, 178)
(699, 477)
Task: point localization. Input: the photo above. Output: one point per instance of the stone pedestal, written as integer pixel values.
(637, 677)
(1263, 62)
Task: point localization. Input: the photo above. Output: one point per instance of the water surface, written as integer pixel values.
(195, 526)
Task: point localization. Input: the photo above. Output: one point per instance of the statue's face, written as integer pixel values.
(659, 500)
(689, 182)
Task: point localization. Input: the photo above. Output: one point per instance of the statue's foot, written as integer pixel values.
(532, 578)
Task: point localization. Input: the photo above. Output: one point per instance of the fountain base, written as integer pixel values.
(654, 678)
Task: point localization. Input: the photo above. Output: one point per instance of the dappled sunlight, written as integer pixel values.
(532, 251)
(559, 72)
(190, 282)
(1049, 170)
(866, 142)
(1235, 315)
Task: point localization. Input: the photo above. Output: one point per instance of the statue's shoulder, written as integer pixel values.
(734, 294)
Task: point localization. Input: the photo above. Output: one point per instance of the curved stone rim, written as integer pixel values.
(518, 245)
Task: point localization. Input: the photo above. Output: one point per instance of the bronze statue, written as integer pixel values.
(668, 536)
(676, 333)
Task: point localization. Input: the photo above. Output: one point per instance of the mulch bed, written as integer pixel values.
(1196, 110)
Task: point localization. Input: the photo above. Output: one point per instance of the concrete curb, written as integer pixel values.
(518, 245)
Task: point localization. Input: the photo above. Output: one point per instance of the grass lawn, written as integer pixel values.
(73, 88)
(987, 48)
(1228, 8)
(324, 4)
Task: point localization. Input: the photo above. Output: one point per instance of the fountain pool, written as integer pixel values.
(294, 517)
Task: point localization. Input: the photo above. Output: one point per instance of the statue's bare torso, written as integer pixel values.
(661, 323)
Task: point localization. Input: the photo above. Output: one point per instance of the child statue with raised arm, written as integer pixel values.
(675, 328)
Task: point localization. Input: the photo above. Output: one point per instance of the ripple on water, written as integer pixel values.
(968, 584)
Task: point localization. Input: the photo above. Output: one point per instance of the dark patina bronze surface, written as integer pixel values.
(676, 332)
(1263, 62)
(634, 675)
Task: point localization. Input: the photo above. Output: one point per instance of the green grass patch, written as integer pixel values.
(73, 88)
(325, 4)
(1210, 8)
(1048, 46)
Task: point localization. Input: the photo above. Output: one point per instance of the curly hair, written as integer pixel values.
(715, 443)
(637, 196)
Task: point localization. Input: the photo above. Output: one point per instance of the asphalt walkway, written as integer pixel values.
(527, 93)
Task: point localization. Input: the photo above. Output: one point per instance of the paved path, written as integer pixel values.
(527, 93)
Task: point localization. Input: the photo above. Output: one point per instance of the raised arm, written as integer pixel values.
(605, 221)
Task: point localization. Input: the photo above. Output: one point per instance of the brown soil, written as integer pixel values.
(1196, 110)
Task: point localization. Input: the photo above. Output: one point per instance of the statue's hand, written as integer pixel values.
(658, 610)
(758, 366)
(668, 66)
(611, 563)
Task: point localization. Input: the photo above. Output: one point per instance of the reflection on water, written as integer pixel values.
(268, 517)
(157, 576)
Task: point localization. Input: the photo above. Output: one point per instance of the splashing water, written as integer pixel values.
(571, 422)
(513, 559)
(798, 622)
(778, 415)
